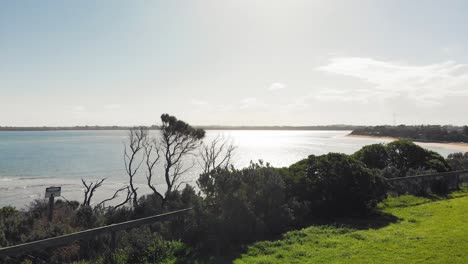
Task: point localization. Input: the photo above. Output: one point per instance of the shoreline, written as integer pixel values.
(462, 147)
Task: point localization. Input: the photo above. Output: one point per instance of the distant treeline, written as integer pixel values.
(45, 128)
(327, 127)
(422, 133)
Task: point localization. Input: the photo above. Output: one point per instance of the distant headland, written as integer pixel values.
(421, 133)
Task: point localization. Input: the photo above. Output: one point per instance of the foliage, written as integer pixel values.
(390, 172)
(179, 139)
(401, 158)
(375, 156)
(145, 246)
(232, 207)
(85, 217)
(428, 232)
(339, 184)
(417, 133)
(241, 205)
(406, 155)
(458, 161)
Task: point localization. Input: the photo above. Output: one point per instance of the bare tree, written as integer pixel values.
(151, 157)
(216, 154)
(89, 190)
(137, 138)
(178, 140)
(116, 194)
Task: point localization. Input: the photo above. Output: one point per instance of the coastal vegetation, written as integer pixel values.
(423, 133)
(401, 158)
(428, 230)
(333, 196)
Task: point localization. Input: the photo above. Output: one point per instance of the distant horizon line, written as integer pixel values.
(209, 127)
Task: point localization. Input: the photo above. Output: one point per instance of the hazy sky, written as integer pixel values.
(233, 62)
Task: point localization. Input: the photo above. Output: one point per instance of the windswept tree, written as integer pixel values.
(176, 142)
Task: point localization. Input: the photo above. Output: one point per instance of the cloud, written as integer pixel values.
(112, 106)
(251, 103)
(424, 84)
(334, 95)
(198, 102)
(78, 108)
(452, 49)
(276, 86)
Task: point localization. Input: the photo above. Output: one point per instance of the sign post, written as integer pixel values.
(51, 193)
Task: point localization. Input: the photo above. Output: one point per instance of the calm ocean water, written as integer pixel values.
(32, 161)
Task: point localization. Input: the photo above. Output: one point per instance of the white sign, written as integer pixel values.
(53, 191)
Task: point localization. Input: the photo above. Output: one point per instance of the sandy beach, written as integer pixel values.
(462, 147)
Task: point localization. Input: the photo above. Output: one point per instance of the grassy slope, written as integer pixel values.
(427, 232)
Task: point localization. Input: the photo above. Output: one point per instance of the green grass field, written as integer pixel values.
(424, 231)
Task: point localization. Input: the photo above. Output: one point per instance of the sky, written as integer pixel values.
(243, 62)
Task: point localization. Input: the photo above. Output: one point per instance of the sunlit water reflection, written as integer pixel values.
(31, 161)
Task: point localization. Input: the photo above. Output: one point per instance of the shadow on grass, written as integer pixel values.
(374, 221)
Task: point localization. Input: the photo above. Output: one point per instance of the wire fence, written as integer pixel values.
(35, 249)
(428, 183)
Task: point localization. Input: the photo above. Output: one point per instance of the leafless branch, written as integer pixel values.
(89, 190)
(151, 158)
(116, 194)
(137, 138)
(216, 154)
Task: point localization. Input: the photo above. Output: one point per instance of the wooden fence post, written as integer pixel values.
(113, 241)
(51, 208)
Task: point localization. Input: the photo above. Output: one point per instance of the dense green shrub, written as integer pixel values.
(13, 226)
(242, 205)
(142, 245)
(405, 155)
(375, 156)
(390, 172)
(440, 186)
(85, 217)
(337, 184)
(398, 158)
(458, 161)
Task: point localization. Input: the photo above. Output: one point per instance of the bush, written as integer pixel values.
(440, 186)
(142, 245)
(458, 161)
(405, 155)
(242, 205)
(85, 217)
(338, 184)
(390, 172)
(375, 156)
